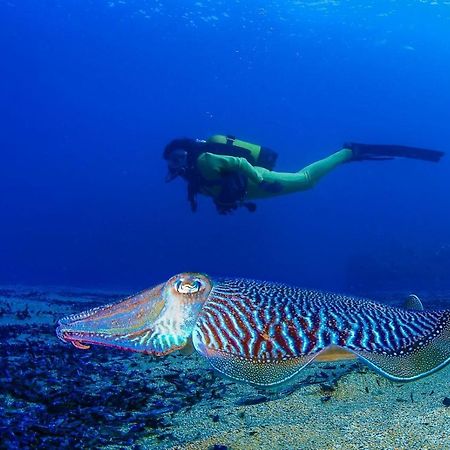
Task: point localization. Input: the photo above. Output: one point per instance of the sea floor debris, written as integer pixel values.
(104, 399)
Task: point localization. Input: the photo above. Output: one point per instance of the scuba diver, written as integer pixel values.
(234, 172)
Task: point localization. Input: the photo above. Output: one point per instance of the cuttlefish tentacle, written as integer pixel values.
(265, 333)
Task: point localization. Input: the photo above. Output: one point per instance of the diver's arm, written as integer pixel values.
(209, 162)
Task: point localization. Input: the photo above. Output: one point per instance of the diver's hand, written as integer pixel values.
(225, 208)
(272, 187)
(251, 207)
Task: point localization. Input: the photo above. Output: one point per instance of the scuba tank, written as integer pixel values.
(255, 154)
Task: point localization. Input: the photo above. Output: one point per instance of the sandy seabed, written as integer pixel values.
(54, 395)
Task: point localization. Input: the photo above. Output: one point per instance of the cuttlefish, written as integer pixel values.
(265, 333)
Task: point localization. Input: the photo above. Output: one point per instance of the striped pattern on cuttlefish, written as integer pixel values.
(264, 333)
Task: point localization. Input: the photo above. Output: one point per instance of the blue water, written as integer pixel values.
(91, 92)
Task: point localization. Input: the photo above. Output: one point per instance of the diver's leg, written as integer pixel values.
(279, 183)
(315, 171)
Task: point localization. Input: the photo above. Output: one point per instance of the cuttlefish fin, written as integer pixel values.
(416, 360)
(413, 302)
(334, 353)
(257, 372)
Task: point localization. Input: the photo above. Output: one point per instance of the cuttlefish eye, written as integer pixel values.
(188, 286)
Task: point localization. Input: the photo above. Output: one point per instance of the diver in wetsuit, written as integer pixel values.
(233, 172)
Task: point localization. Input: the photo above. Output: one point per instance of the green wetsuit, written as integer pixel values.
(212, 167)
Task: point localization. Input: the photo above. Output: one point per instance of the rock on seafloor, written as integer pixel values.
(53, 395)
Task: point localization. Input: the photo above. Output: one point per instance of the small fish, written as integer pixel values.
(265, 333)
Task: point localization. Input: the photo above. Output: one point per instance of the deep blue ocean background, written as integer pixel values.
(92, 91)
